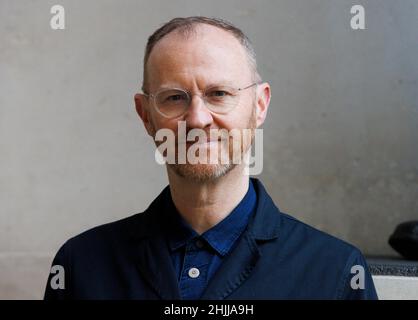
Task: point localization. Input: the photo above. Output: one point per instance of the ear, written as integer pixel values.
(141, 105)
(262, 102)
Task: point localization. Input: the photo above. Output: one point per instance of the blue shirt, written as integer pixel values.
(196, 258)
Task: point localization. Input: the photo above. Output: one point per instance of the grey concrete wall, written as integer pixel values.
(340, 140)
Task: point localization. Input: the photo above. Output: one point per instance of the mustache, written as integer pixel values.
(203, 136)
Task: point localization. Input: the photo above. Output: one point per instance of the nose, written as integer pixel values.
(198, 115)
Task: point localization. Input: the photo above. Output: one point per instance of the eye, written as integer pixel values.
(175, 97)
(171, 96)
(218, 93)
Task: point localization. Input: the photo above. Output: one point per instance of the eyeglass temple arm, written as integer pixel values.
(147, 95)
(251, 85)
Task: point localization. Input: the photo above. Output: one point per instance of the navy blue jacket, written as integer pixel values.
(277, 257)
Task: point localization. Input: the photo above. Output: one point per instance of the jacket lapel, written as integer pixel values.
(154, 262)
(234, 270)
(151, 252)
(239, 265)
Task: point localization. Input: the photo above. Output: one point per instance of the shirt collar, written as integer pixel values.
(220, 237)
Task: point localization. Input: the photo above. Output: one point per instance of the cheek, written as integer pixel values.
(159, 122)
(240, 118)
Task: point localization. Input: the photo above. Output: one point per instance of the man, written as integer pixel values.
(213, 233)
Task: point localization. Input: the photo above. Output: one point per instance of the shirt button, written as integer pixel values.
(199, 244)
(194, 272)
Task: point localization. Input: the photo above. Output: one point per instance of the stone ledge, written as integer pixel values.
(392, 266)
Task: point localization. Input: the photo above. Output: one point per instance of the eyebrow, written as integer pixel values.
(210, 85)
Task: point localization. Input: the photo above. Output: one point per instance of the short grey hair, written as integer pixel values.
(187, 26)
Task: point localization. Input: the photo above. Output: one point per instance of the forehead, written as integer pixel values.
(207, 56)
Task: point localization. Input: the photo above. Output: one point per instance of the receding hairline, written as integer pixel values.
(230, 43)
(188, 27)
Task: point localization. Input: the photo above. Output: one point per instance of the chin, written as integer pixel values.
(201, 172)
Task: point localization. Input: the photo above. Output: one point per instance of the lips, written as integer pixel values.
(198, 141)
(208, 142)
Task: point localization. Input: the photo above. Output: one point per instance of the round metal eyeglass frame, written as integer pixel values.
(190, 95)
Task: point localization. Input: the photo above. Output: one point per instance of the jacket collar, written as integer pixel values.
(267, 219)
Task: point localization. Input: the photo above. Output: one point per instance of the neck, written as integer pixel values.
(204, 204)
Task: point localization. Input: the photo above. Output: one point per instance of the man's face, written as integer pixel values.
(209, 57)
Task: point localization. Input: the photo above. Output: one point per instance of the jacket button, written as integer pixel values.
(194, 272)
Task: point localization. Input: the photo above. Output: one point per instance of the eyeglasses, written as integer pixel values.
(174, 102)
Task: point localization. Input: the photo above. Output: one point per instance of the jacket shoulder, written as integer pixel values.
(315, 239)
(115, 230)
